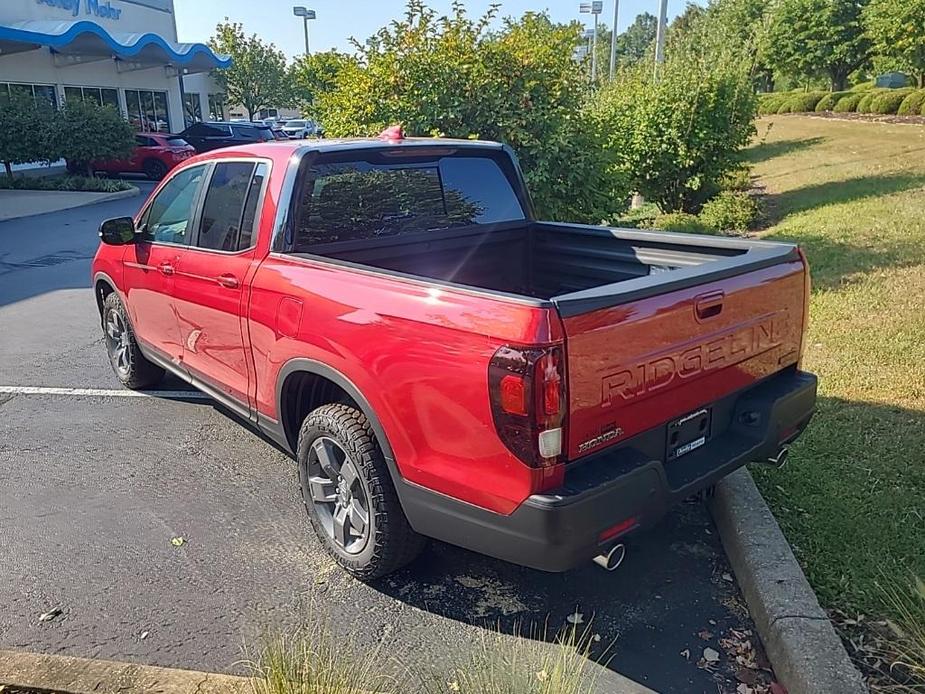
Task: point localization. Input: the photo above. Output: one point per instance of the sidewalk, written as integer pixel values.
(15, 204)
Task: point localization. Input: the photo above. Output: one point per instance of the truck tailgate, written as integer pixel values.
(654, 358)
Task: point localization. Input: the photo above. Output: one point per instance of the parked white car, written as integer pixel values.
(301, 129)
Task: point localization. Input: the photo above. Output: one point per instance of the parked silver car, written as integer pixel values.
(301, 128)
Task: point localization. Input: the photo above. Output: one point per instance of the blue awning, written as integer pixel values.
(82, 38)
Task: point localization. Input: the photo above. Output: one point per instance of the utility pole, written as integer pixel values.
(660, 34)
(613, 39)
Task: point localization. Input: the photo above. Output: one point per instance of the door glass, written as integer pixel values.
(223, 208)
(150, 116)
(161, 117)
(250, 208)
(168, 219)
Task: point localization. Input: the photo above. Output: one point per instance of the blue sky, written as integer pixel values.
(339, 19)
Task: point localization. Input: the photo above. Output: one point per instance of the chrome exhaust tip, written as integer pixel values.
(612, 559)
(780, 459)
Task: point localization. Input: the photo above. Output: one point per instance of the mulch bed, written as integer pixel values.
(869, 117)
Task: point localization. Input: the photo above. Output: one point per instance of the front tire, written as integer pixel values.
(129, 364)
(155, 169)
(348, 494)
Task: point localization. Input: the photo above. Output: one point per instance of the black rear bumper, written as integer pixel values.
(558, 530)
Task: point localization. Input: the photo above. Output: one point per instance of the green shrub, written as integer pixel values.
(888, 102)
(863, 87)
(85, 184)
(805, 102)
(86, 132)
(866, 104)
(827, 103)
(680, 221)
(730, 211)
(675, 138)
(739, 178)
(912, 104)
(849, 103)
(786, 106)
(770, 103)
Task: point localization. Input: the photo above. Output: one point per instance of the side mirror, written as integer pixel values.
(118, 232)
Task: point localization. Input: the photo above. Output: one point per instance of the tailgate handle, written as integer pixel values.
(708, 305)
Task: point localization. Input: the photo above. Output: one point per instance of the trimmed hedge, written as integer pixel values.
(827, 103)
(805, 102)
(849, 103)
(912, 104)
(863, 87)
(770, 103)
(888, 103)
(69, 183)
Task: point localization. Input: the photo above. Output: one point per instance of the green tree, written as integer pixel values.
(316, 74)
(257, 76)
(86, 132)
(25, 131)
(811, 38)
(896, 29)
(634, 43)
(453, 76)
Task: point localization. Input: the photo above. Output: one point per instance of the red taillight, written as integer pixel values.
(527, 389)
(512, 395)
(618, 529)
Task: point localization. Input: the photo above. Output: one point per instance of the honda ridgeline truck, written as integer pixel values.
(443, 364)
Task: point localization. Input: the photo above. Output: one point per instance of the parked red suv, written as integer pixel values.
(443, 364)
(155, 155)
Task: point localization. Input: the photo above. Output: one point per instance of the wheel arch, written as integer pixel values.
(305, 384)
(103, 286)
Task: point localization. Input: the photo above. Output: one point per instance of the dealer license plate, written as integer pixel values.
(688, 433)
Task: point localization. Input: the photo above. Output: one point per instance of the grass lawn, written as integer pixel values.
(852, 499)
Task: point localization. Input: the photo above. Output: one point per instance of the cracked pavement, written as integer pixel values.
(94, 488)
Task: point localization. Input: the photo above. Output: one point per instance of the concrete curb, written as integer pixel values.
(67, 675)
(807, 655)
(103, 197)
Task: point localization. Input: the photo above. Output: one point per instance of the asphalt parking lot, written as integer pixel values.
(95, 486)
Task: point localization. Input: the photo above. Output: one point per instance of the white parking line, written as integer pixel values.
(105, 393)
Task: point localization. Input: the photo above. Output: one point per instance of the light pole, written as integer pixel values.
(595, 8)
(613, 39)
(305, 14)
(660, 33)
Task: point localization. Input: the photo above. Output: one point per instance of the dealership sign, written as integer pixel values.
(95, 8)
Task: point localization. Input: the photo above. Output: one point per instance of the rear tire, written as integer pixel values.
(348, 494)
(155, 169)
(129, 364)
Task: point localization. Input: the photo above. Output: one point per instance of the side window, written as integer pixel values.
(228, 204)
(168, 219)
(250, 208)
(142, 141)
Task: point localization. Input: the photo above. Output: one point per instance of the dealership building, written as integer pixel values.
(119, 52)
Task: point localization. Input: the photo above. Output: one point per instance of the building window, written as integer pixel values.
(216, 107)
(192, 108)
(147, 110)
(39, 92)
(265, 113)
(101, 96)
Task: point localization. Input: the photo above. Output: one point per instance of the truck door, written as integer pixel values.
(212, 277)
(150, 264)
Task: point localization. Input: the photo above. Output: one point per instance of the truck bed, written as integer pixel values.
(580, 268)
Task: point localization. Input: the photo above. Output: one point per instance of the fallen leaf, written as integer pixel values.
(778, 688)
(744, 689)
(727, 577)
(576, 618)
(596, 637)
(686, 654)
(705, 635)
(747, 676)
(710, 655)
(50, 615)
(178, 541)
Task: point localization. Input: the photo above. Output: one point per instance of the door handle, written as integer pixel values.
(228, 280)
(166, 268)
(709, 305)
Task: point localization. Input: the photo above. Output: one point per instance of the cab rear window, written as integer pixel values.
(347, 200)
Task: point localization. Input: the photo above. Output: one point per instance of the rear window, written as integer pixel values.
(177, 142)
(350, 200)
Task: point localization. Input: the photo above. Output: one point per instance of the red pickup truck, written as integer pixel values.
(441, 363)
